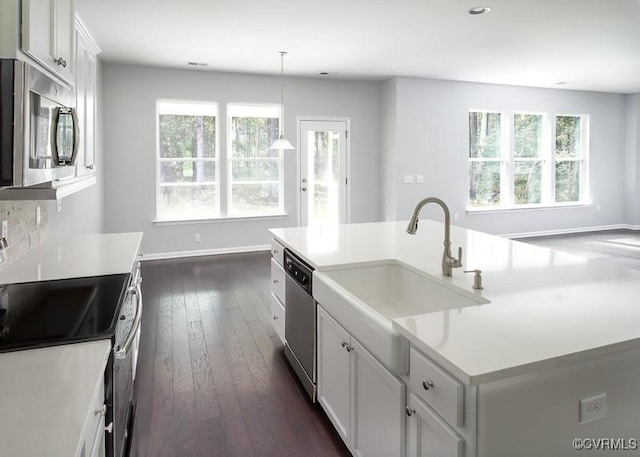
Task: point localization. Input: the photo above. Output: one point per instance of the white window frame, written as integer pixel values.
(549, 160)
(252, 110)
(186, 107)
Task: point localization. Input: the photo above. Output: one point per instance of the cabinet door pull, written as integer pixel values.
(343, 344)
(101, 411)
(61, 62)
(410, 411)
(275, 281)
(427, 384)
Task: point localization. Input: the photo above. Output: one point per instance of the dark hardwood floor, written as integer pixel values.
(212, 378)
(621, 247)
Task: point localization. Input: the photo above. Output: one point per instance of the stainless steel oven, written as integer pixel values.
(123, 362)
(39, 130)
(300, 324)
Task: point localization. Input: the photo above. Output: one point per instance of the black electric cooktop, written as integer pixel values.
(47, 313)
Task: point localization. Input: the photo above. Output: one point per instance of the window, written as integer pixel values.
(527, 160)
(255, 171)
(187, 165)
(195, 181)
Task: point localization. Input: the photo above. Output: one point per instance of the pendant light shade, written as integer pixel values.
(281, 143)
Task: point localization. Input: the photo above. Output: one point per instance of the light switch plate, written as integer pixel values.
(420, 179)
(408, 179)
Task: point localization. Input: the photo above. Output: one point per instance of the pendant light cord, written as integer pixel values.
(282, 53)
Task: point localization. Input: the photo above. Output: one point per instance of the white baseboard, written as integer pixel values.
(203, 252)
(571, 230)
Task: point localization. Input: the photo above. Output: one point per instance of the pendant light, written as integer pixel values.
(281, 143)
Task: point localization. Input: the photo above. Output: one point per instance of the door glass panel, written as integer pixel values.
(324, 177)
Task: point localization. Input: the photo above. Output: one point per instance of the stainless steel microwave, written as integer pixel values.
(39, 132)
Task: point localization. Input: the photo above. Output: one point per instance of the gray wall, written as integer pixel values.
(431, 138)
(130, 93)
(632, 202)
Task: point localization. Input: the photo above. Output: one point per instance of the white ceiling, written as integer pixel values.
(587, 44)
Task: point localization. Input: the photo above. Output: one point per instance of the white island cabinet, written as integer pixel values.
(363, 400)
(546, 363)
(278, 298)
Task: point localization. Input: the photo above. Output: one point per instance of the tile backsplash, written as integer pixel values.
(23, 232)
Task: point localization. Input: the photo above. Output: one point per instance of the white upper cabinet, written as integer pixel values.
(86, 69)
(48, 35)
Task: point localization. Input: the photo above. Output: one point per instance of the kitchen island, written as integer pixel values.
(552, 353)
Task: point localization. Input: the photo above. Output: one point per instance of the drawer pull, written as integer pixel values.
(275, 281)
(410, 411)
(275, 318)
(343, 344)
(427, 384)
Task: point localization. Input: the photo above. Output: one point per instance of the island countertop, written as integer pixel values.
(545, 307)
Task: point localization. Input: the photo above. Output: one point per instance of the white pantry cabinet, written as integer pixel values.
(362, 399)
(48, 35)
(86, 98)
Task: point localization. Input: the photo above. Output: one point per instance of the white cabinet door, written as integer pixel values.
(378, 404)
(334, 373)
(48, 34)
(86, 86)
(429, 435)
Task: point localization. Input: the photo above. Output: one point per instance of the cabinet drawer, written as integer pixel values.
(439, 389)
(277, 251)
(277, 316)
(277, 281)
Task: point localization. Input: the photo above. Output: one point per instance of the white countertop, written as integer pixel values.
(75, 257)
(45, 395)
(546, 307)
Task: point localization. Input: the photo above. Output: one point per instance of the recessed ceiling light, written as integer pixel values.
(476, 10)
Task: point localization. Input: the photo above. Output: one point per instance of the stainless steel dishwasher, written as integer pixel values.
(300, 321)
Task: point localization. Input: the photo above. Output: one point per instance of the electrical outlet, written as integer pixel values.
(455, 217)
(197, 238)
(408, 179)
(593, 408)
(37, 216)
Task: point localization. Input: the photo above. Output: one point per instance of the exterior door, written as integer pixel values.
(323, 172)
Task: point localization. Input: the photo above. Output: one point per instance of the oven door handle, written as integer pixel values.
(121, 351)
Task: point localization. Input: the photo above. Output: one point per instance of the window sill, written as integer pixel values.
(517, 209)
(218, 219)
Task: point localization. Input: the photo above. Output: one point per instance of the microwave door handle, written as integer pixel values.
(54, 137)
(121, 351)
(76, 136)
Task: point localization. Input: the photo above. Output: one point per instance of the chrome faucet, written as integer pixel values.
(448, 261)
